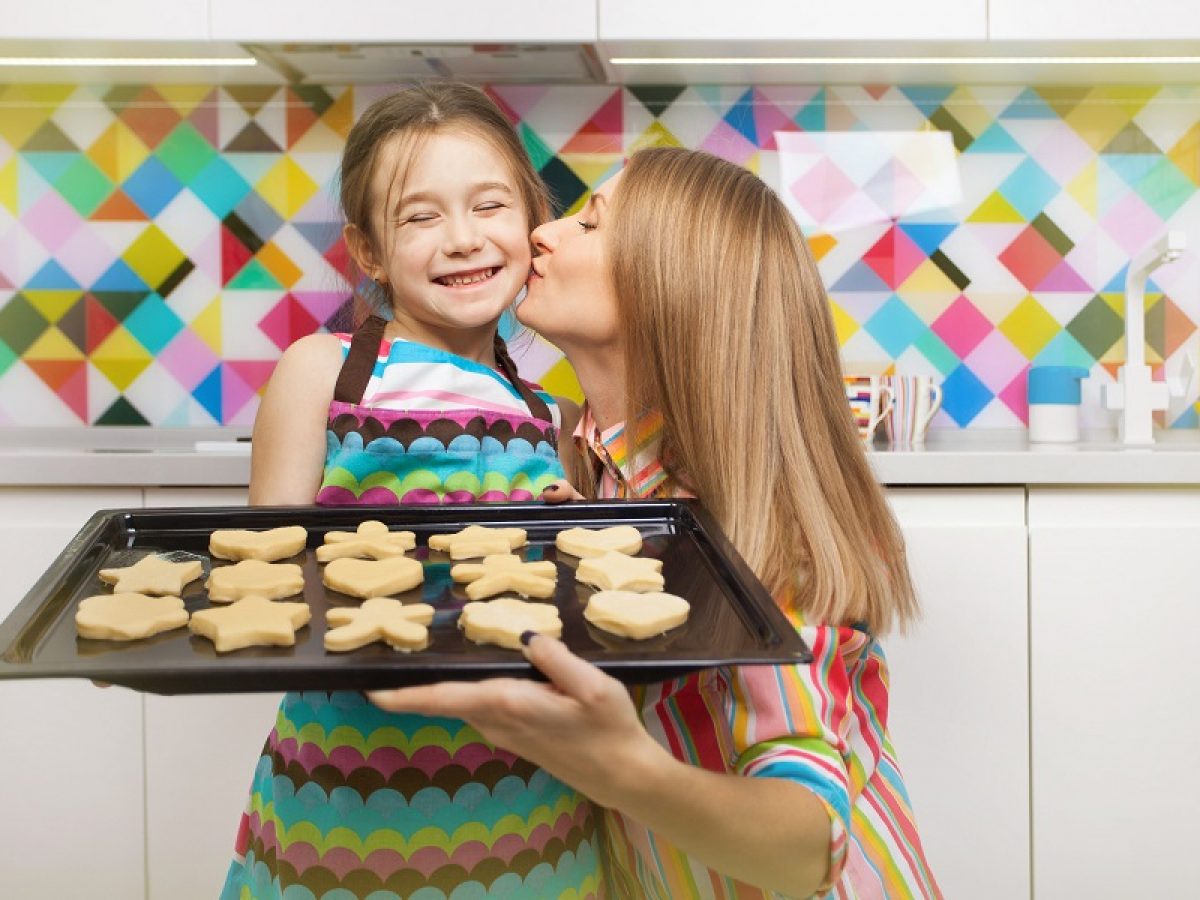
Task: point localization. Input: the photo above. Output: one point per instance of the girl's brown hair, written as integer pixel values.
(414, 114)
(727, 331)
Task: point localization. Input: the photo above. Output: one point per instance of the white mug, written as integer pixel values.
(915, 400)
(870, 401)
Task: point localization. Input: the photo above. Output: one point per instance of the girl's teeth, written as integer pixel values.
(459, 280)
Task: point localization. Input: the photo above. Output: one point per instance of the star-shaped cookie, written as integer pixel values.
(617, 572)
(153, 575)
(372, 540)
(373, 578)
(586, 542)
(251, 622)
(478, 540)
(502, 621)
(268, 546)
(128, 616)
(401, 626)
(502, 572)
(252, 576)
(637, 616)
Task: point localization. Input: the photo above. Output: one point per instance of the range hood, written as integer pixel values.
(391, 62)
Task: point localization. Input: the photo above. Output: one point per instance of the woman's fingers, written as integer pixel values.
(560, 492)
(572, 675)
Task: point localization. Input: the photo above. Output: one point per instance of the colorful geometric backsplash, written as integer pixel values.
(161, 245)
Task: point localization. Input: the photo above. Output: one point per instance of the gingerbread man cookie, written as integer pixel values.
(586, 542)
(617, 572)
(401, 626)
(373, 578)
(502, 621)
(477, 540)
(633, 615)
(267, 546)
(506, 572)
(271, 581)
(128, 616)
(372, 540)
(251, 622)
(153, 575)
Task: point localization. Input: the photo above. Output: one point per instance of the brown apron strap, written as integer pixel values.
(536, 404)
(360, 361)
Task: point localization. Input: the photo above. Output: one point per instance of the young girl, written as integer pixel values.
(691, 309)
(349, 800)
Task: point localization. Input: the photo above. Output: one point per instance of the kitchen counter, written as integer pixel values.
(214, 457)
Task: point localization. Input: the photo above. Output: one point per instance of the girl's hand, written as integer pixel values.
(560, 492)
(581, 727)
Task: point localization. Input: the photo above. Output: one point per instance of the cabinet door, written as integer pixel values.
(789, 20)
(200, 756)
(1097, 20)
(375, 21)
(116, 20)
(1115, 610)
(70, 753)
(959, 704)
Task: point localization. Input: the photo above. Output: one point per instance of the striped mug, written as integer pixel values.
(870, 401)
(915, 399)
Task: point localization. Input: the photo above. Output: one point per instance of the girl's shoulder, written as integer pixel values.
(315, 357)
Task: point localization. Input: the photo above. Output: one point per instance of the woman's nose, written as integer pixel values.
(543, 237)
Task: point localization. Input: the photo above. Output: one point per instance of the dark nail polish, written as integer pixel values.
(526, 637)
(552, 489)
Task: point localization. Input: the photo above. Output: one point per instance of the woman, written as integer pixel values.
(691, 309)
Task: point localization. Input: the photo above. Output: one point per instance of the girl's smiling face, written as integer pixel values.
(450, 242)
(571, 300)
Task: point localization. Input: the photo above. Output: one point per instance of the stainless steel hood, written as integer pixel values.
(391, 62)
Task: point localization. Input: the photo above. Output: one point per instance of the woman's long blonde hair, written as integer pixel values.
(727, 331)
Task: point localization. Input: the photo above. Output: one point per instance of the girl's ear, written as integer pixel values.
(363, 254)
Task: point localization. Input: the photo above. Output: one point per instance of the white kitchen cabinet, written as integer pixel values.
(1115, 610)
(116, 20)
(70, 753)
(377, 21)
(200, 756)
(1097, 20)
(959, 699)
(790, 20)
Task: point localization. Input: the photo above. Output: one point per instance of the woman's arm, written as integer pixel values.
(288, 450)
(583, 729)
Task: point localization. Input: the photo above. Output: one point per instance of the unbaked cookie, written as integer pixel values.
(372, 540)
(637, 616)
(251, 622)
(502, 621)
(617, 572)
(153, 575)
(268, 546)
(586, 542)
(270, 581)
(506, 572)
(478, 540)
(401, 626)
(128, 616)
(373, 578)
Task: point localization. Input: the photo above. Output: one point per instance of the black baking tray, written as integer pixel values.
(733, 619)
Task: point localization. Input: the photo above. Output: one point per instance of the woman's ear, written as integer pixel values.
(359, 247)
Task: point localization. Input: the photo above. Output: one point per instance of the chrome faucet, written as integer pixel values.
(1136, 394)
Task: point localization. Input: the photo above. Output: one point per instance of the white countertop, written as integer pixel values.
(213, 457)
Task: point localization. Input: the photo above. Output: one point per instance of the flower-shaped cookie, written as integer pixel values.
(373, 577)
(617, 572)
(585, 542)
(401, 626)
(251, 576)
(506, 572)
(251, 622)
(128, 616)
(268, 546)
(372, 540)
(478, 540)
(502, 621)
(153, 575)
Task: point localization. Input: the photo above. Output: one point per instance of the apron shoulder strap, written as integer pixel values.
(536, 404)
(360, 361)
